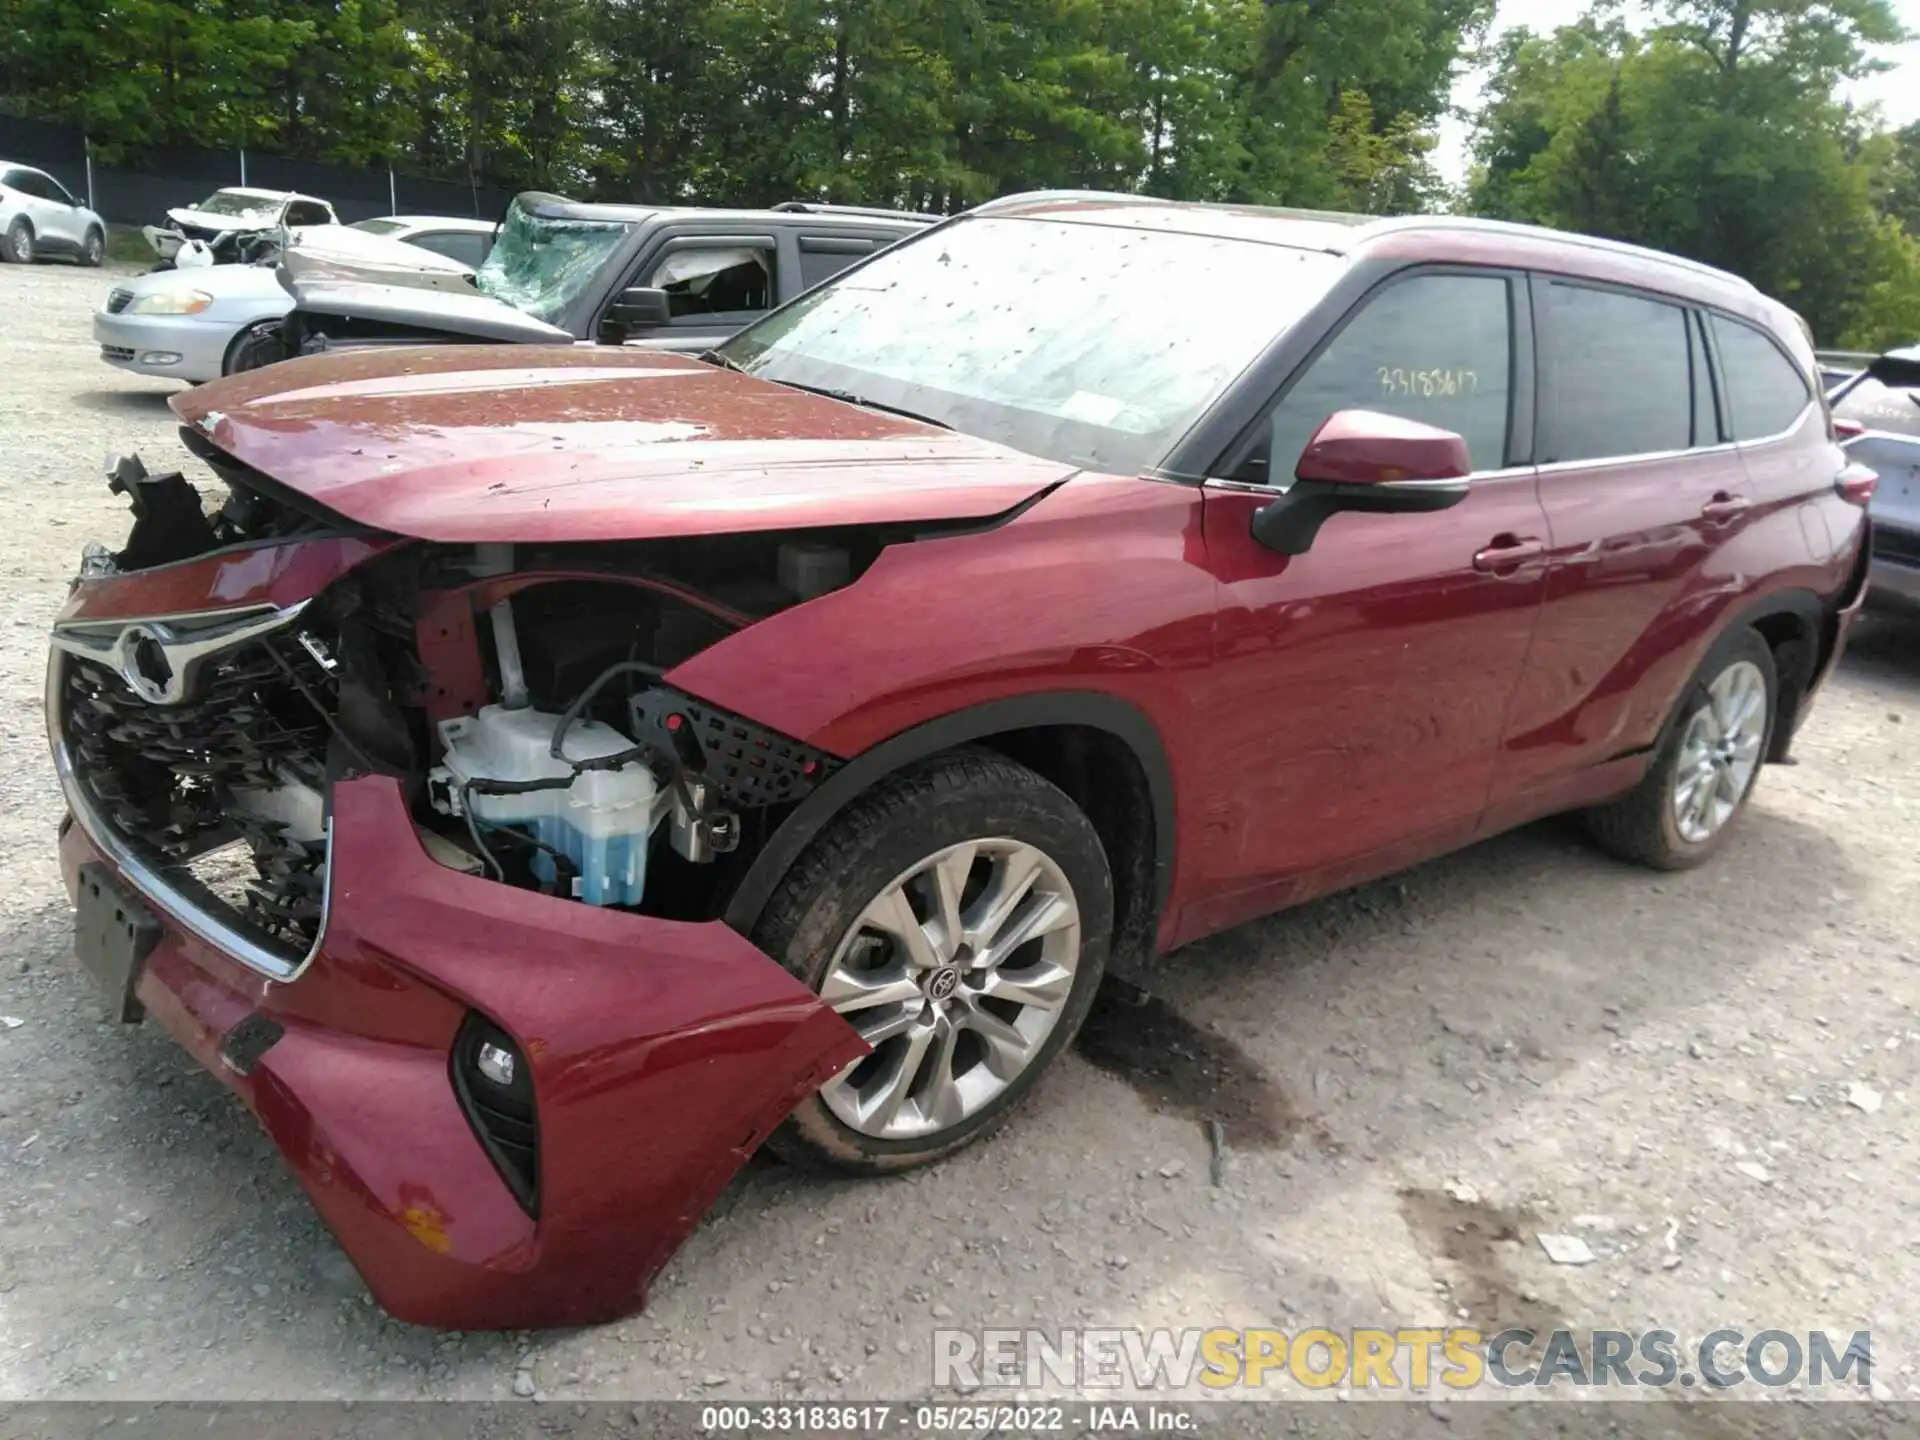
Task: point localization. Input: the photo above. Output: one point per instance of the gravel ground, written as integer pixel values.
(1416, 1078)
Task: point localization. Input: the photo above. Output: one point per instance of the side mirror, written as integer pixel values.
(1362, 460)
(635, 308)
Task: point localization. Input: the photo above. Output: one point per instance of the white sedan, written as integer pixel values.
(189, 324)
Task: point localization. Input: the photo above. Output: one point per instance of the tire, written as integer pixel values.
(974, 1051)
(255, 346)
(17, 244)
(1659, 824)
(93, 252)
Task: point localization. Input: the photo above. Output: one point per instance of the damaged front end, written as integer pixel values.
(417, 847)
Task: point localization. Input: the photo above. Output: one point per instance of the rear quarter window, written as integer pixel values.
(1765, 391)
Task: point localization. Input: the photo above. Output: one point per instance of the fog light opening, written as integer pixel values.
(160, 357)
(495, 1087)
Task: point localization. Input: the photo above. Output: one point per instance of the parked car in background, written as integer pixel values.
(228, 219)
(1878, 408)
(40, 217)
(201, 324)
(562, 272)
(555, 771)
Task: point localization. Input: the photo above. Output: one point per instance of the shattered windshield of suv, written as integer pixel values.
(540, 264)
(1093, 345)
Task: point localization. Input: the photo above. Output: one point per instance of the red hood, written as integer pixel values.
(464, 443)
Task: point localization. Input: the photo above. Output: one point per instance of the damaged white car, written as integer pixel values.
(198, 324)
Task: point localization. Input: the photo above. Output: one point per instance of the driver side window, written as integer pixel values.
(716, 279)
(1435, 348)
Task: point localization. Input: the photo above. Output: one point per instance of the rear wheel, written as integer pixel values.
(1704, 770)
(17, 244)
(255, 346)
(958, 918)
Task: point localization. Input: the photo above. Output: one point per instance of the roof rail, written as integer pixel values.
(1565, 237)
(814, 207)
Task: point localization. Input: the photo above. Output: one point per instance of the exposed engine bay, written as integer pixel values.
(517, 692)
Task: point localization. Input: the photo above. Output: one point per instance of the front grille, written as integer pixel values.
(163, 779)
(118, 300)
(116, 352)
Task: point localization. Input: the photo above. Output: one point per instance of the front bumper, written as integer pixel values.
(662, 1055)
(181, 347)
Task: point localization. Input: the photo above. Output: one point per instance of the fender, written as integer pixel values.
(1811, 613)
(1090, 708)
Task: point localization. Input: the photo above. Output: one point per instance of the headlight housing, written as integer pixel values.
(170, 302)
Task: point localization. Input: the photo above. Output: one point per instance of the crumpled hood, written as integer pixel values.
(465, 444)
(207, 220)
(461, 312)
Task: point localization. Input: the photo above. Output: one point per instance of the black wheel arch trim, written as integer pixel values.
(1090, 709)
(1812, 612)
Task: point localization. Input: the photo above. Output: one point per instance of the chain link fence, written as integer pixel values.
(140, 193)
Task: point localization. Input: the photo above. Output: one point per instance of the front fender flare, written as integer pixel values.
(1089, 708)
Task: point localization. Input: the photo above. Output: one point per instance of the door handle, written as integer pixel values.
(1508, 551)
(1724, 506)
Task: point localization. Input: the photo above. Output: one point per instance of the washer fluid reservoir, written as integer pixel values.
(601, 822)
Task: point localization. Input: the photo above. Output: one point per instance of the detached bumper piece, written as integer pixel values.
(510, 1108)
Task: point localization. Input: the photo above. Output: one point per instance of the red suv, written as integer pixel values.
(546, 776)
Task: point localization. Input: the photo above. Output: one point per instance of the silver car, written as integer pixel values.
(192, 324)
(1877, 411)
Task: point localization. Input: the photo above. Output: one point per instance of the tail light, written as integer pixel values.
(1855, 485)
(1847, 431)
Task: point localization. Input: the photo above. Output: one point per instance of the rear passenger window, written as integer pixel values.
(1766, 393)
(1436, 348)
(824, 256)
(1619, 376)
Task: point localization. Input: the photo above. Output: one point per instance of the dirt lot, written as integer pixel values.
(1416, 1079)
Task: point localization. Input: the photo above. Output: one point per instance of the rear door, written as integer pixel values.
(53, 219)
(1640, 488)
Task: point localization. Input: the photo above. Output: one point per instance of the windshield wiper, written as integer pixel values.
(852, 399)
(725, 362)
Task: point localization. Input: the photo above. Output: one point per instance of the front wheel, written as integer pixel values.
(93, 254)
(257, 345)
(17, 244)
(1704, 769)
(958, 918)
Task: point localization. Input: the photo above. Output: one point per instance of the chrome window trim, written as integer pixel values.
(1724, 447)
(1478, 477)
(139, 873)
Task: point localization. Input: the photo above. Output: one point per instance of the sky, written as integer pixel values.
(1897, 91)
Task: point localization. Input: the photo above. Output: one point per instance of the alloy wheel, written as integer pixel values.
(955, 974)
(1719, 752)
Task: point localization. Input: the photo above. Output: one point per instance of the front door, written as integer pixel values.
(1640, 489)
(1360, 690)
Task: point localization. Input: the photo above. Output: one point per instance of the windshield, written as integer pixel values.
(1087, 344)
(541, 264)
(225, 202)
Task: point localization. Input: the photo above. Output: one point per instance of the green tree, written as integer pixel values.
(1717, 135)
